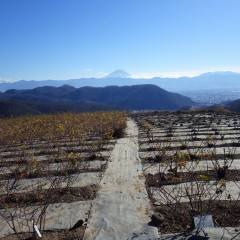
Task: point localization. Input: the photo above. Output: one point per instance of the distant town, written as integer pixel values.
(211, 97)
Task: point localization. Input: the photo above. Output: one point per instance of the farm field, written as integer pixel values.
(191, 163)
(107, 175)
(51, 167)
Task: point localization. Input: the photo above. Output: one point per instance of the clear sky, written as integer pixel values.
(63, 39)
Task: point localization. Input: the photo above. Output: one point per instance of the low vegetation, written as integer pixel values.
(192, 166)
(191, 163)
(41, 158)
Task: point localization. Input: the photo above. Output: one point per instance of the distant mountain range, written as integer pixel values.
(67, 98)
(215, 80)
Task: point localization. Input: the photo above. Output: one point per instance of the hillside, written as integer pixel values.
(233, 105)
(67, 98)
(139, 97)
(9, 108)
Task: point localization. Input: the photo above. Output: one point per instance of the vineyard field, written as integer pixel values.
(191, 163)
(51, 166)
(113, 175)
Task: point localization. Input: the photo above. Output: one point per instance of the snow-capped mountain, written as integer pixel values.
(118, 74)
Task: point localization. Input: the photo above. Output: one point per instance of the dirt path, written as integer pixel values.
(122, 208)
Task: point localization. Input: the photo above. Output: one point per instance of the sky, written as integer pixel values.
(70, 39)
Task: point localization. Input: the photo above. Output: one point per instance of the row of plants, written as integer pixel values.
(66, 142)
(191, 179)
(69, 126)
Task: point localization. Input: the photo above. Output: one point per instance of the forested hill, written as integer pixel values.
(233, 105)
(67, 98)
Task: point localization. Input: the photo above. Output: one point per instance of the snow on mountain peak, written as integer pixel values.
(118, 74)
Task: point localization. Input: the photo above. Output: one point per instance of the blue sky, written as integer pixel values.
(63, 39)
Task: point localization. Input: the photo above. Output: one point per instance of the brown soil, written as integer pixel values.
(179, 217)
(160, 179)
(54, 196)
(76, 234)
(183, 147)
(5, 163)
(53, 173)
(166, 159)
(156, 140)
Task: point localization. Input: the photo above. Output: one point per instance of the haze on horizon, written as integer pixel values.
(71, 39)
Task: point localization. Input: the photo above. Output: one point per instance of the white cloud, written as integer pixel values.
(6, 79)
